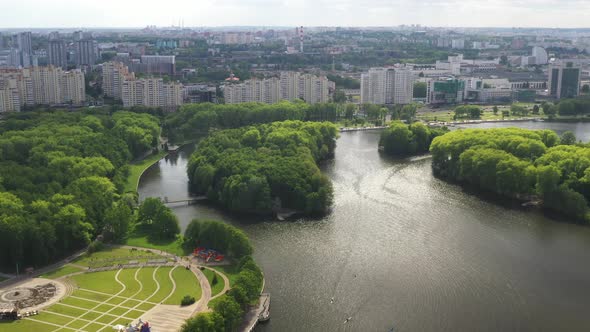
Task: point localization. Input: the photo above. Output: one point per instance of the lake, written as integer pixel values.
(402, 249)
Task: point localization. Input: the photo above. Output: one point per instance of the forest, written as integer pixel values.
(260, 169)
(529, 165)
(61, 179)
(194, 120)
(400, 139)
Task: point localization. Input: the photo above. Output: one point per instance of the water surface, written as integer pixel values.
(406, 250)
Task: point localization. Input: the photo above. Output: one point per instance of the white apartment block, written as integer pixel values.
(387, 86)
(289, 86)
(40, 85)
(121, 84)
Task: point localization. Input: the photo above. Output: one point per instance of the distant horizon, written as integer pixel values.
(290, 27)
(69, 14)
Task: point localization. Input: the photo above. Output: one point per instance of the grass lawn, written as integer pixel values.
(231, 272)
(218, 287)
(165, 285)
(25, 325)
(146, 277)
(60, 272)
(186, 284)
(173, 247)
(114, 255)
(127, 276)
(65, 310)
(136, 170)
(103, 281)
(90, 295)
(79, 303)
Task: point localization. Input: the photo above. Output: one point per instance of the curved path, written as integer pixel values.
(226, 284)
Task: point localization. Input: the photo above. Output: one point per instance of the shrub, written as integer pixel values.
(187, 300)
(214, 281)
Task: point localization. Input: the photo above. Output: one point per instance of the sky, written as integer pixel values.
(197, 13)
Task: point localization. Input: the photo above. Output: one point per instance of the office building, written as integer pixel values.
(289, 86)
(57, 53)
(387, 86)
(564, 80)
(445, 91)
(540, 55)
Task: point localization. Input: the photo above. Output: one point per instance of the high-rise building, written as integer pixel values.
(156, 64)
(24, 44)
(113, 76)
(540, 55)
(458, 43)
(86, 52)
(40, 85)
(387, 86)
(289, 86)
(120, 83)
(57, 53)
(564, 80)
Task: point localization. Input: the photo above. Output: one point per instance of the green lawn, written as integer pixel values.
(127, 276)
(186, 284)
(60, 272)
(146, 277)
(103, 281)
(110, 256)
(137, 290)
(173, 247)
(25, 326)
(218, 287)
(136, 170)
(230, 271)
(165, 285)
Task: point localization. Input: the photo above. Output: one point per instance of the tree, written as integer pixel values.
(204, 322)
(495, 110)
(230, 311)
(165, 225)
(149, 209)
(536, 109)
(585, 89)
(349, 111)
(118, 220)
(568, 138)
(339, 96)
(419, 90)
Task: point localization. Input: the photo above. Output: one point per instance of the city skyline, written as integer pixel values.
(436, 13)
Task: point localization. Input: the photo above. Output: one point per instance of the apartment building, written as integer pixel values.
(40, 85)
(288, 86)
(387, 86)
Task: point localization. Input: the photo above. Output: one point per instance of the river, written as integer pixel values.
(402, 249)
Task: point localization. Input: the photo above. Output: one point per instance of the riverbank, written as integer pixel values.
(136, 170)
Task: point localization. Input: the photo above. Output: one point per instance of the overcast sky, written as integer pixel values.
(139, 13)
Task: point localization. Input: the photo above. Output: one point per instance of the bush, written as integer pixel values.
(214, 281)
(187, 300)
(95, 246)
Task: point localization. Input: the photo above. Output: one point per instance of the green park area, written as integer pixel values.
(215, 281)
(103, 299)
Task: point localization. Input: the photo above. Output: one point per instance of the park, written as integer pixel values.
(112, 288)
